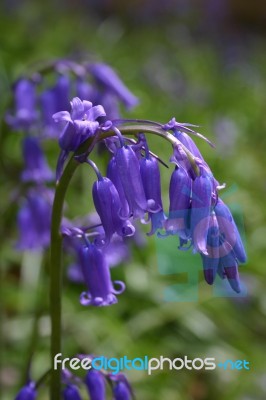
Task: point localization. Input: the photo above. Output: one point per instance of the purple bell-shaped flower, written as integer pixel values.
(179, 208)
(230, 231)
(110, 82)
(150, 174)
(128, 170)
(202, 188)
(28, 392)
(36, 167)
(96, 272)
(53, 100)
(95, 382)
(121, 387)
(34, 219)
(25, 101)
(121, 391)
(114, 177)
(107, 203)
(71, 392)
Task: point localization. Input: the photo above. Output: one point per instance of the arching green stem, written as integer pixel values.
(56, 275)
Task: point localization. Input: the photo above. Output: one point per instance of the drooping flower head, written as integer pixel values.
(36, 167)
(52, 100)
(229, 230)
(121, 391)
(200, 212)
(96, 272)
(231, 248)
(179, 207)
(114, 177)
(34, 219)
(121, 387)
(95, 382)
(128, 171)
(71, 392)
(28, 392)
(150, 175)
(116, 252)
(111, 83)
(107, 203)
(25, 102)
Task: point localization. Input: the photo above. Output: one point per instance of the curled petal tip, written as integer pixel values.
(85, 299)
(121, 289)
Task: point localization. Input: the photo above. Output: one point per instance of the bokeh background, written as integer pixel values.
(203, 62)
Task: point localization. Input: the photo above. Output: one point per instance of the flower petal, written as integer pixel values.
(62, 116)
(200, 212)
(77, 108)
(95, 112)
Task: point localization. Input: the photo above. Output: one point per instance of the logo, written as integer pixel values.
(116, 365)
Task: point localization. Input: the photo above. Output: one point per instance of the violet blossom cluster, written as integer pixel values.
(131, 191)
(95, 383)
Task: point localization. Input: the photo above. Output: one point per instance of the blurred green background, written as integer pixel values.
(204, 63)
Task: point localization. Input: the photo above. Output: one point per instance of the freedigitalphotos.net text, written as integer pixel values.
(116, 365)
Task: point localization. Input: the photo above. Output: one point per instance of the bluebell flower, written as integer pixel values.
(230, 231)
(52, 100)
(80, 123)
(85, 91)
(128, 170)
(116, 252)
(95, 382)
(179, 207)
(114, 177)
(28, 392)
(34, 220)
(62, 91)
(101, 291)
(48, 108)
(151, 179)
(224, 247)
(110, 82)
(121, 387)
(108, 206)
(202, 189)
(121, 391)
(36, 167)
(71, 392)
(25, 102)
